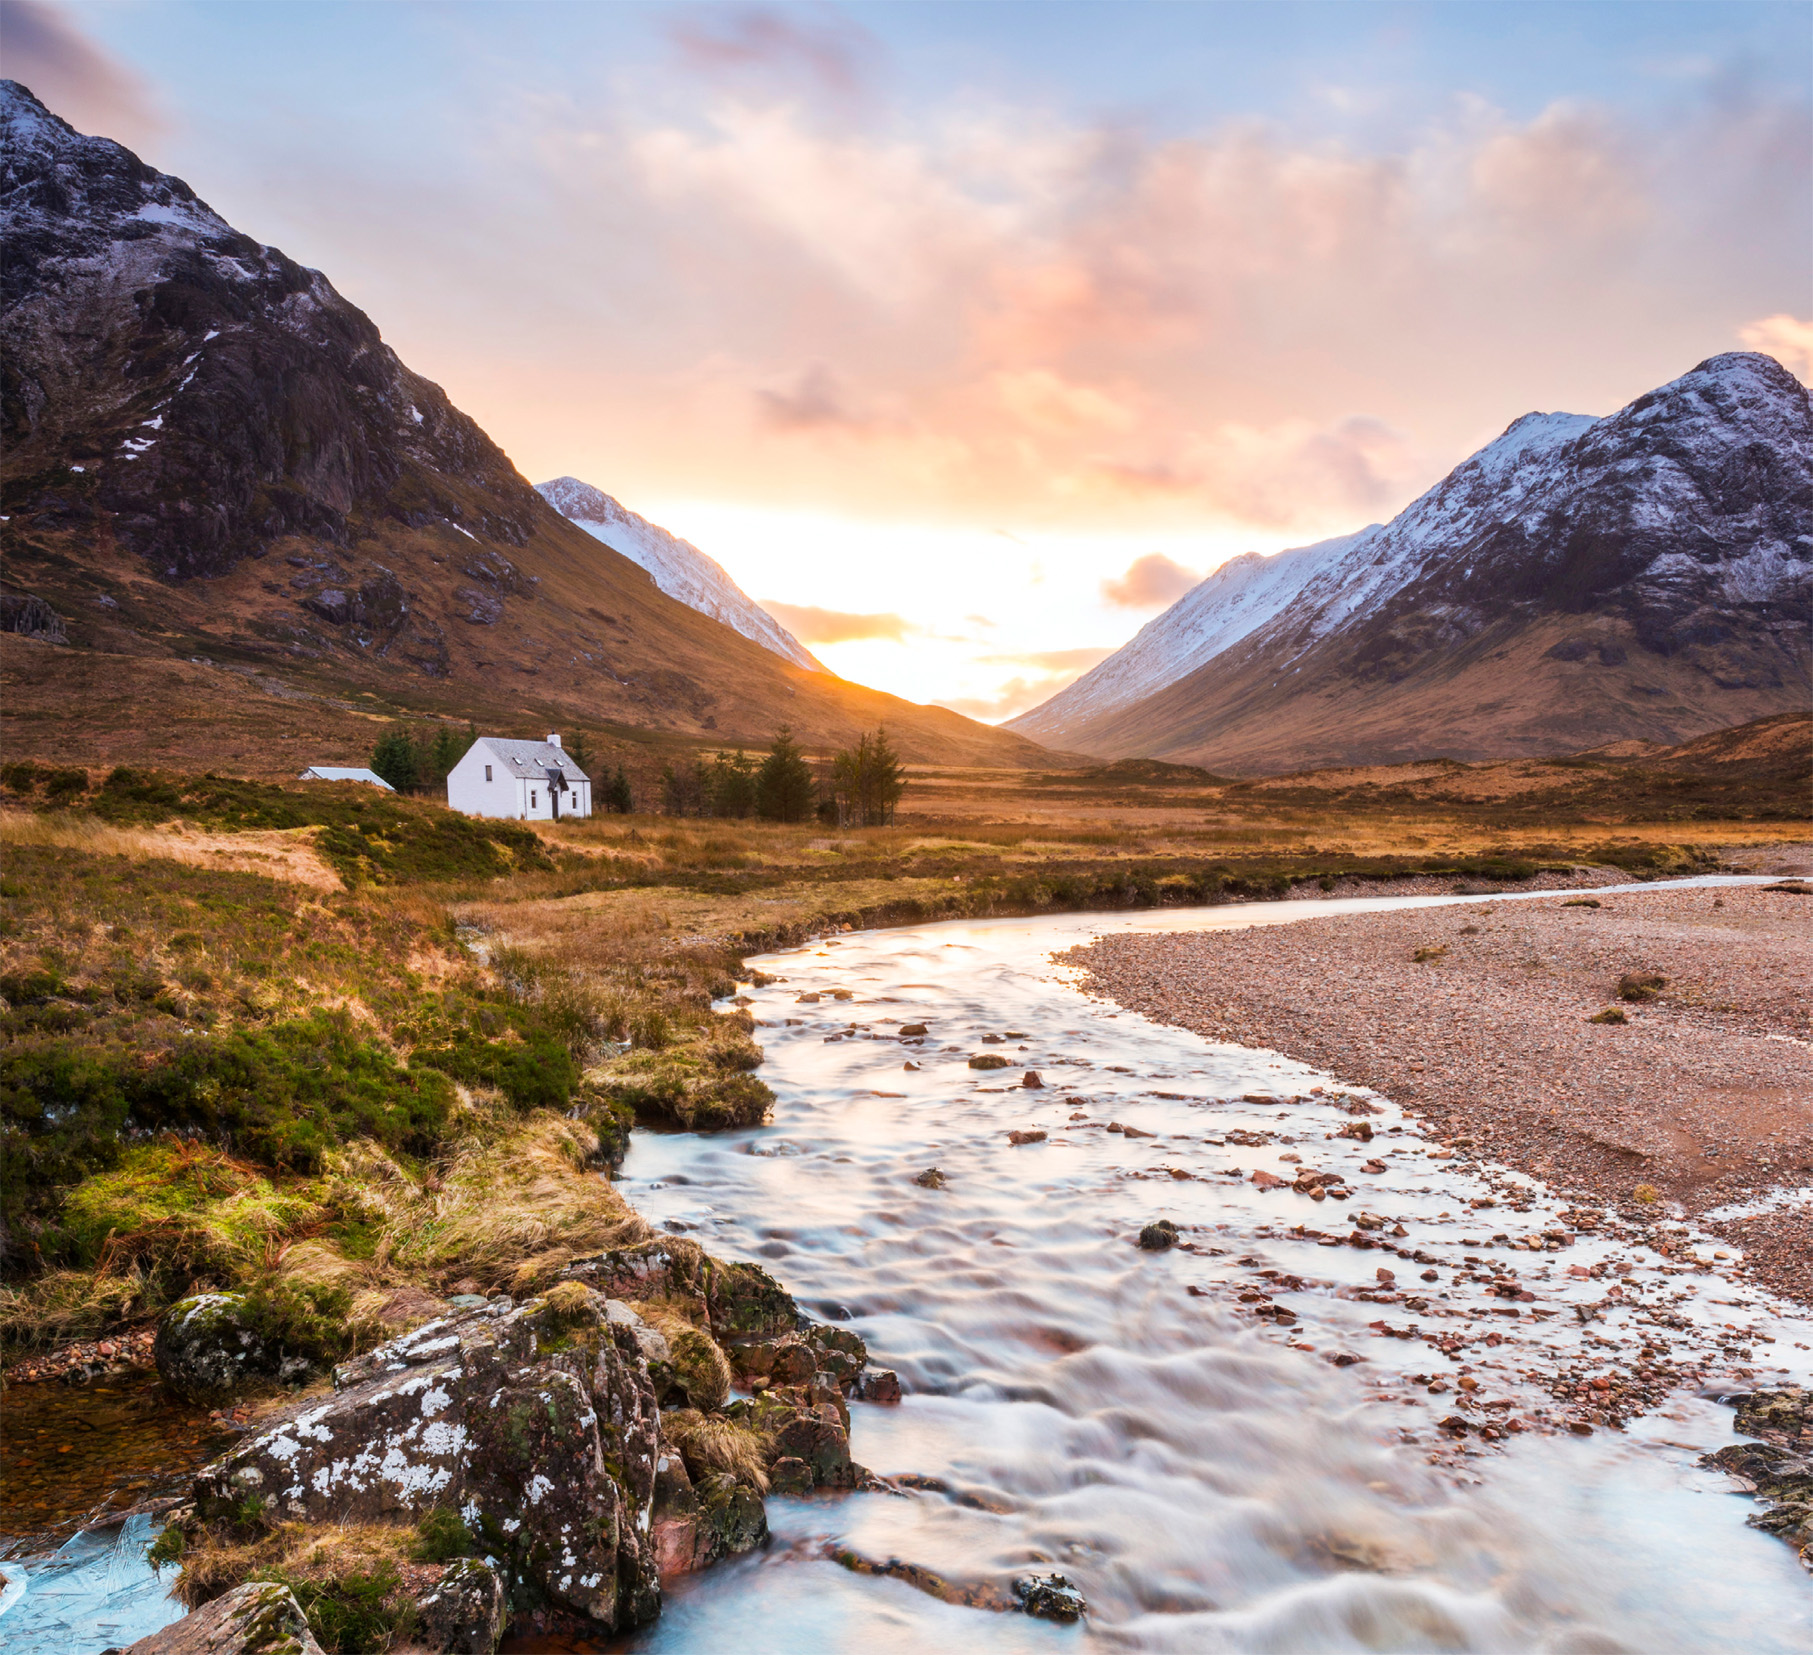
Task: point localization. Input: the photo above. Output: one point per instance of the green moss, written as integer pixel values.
(684, 1088)
(441, 1536)
(180, 1204)
(360, 1613)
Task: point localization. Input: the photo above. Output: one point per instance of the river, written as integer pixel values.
(1209, 1484)
(1210, 1480)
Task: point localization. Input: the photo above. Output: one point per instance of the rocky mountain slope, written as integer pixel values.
(677, 566)
(211, 457)
(1643, 576)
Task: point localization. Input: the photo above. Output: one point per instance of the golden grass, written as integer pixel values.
(710, 1443)
(277, 854)
(512, 1209)
(316, 1553)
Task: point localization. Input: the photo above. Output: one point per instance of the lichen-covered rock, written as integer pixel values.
(536, 1423)
(465, 1614)
(740, 1300)
(260, 1618)
(207, 1349)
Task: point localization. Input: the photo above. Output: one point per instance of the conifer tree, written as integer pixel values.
(784, 783)
(396, 760)
(617, 795)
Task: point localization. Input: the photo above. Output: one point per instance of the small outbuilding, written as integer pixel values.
(339, 773)
(530, 780)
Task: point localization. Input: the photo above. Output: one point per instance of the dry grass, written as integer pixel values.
(312, 1552)
(710, 1443)
(288, 855)
(512, 1209)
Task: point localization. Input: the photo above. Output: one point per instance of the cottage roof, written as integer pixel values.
(531, 759)
(340, 773)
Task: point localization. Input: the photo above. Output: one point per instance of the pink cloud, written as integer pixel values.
(1151, 582)
(833, 626)
(43, 49)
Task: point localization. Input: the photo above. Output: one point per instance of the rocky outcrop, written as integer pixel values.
(31, 617)
(1778, 1468)
(541, 1426)
(536, 1423)
(464, 1614)
(259, 1618)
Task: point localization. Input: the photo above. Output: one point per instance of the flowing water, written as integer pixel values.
(1210, 1484)
(1210, 1481)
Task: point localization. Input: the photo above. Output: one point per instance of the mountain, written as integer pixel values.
(677, 566)
(212, 459)
(1644, 576)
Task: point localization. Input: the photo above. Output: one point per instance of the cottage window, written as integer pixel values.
(487, 772)
(531, 798)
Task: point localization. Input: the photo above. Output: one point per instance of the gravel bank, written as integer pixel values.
(1703, 1097)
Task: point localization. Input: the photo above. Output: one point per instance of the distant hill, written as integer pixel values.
(677, 566)
(212, 459)
(1647, 577)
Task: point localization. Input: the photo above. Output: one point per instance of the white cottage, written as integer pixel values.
(535, 780)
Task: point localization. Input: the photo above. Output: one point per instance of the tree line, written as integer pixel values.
(859, 787)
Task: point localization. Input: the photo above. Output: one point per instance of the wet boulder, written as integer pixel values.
(260, 1618)
(697, 1523)
(536, 1423)
(209, 1347)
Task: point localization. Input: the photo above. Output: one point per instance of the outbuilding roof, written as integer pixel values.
(339, 773)
(531, 759)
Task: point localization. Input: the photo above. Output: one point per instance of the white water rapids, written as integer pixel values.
(1211, 1484)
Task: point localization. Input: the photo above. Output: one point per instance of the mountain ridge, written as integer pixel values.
(211, 455)
(1644, 575)
(678, 567)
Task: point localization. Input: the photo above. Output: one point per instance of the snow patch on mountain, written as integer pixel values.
(677, 566)
(1491, 527)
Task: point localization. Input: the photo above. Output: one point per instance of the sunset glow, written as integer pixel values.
(964, 315)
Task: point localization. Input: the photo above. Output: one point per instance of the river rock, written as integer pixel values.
(1050, 1597)
(989, 1060)
(207, 1349)
(463, 1615)
(739, 1300)
(537, 1423)
(1157, 1236)
(695, 1524)
(260, 1618)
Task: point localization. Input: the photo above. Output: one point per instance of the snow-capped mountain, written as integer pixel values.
(1576, 580)
(212, 457)
(677, 566)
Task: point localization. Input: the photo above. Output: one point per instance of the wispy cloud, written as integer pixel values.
(1787, 338)
(833, 626)
(761, 40)
(813, 401)
(43, 48)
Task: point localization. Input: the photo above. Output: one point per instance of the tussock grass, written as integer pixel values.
(512, 1210)
(710, 1443)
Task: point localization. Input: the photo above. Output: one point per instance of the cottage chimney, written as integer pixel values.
(553, 738)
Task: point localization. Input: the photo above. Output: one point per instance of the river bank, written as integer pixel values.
(1694, 1094)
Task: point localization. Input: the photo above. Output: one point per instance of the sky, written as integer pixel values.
(968, 336)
